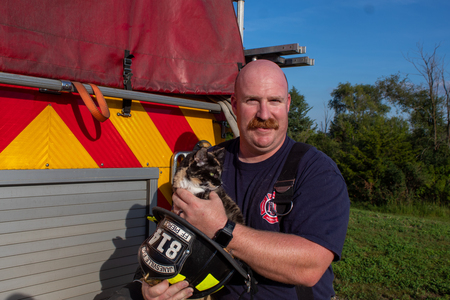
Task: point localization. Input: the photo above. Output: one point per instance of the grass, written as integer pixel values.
(394, 257)
(417, 209)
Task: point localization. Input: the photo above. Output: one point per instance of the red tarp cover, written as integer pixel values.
(188, 46)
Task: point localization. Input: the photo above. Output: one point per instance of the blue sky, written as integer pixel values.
(356, 41)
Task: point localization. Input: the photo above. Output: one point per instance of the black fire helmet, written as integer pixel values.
(178, 251)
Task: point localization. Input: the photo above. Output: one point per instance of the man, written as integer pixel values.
(284, 252)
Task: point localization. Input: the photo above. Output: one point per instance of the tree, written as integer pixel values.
(300, 126)
(358, 100)
(445, 86)
(413, 102)
(430, 68)
(390, 159)
(324, 126)
(373, 148)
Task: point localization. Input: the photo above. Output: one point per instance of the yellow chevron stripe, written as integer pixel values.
(46, 143)
(201, 122)
(144, 140)
(141, 135)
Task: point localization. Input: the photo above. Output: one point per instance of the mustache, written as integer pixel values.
(256, 123)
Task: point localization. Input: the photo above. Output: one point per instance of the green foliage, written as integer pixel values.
(394, 257)
(359, 100)
(437, 171)
(373, 149)
(300, 125)
(428, 134)
(415, 102)
(388, 160)
(326, 144)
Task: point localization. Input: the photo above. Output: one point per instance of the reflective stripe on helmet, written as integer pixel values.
(207, 283)
(176, 279)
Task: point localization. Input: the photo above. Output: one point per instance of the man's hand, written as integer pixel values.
(206, 215)
(164, 291)
(278, 256)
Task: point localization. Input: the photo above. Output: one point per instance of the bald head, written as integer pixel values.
(260, 69)
(261, 104)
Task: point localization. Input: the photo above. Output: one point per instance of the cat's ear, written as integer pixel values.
(201, 157)
(219, 154)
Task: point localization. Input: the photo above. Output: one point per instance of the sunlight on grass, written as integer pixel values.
(394, 257)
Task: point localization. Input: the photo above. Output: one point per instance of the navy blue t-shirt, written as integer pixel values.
(320, 212)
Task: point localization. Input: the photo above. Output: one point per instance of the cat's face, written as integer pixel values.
(200, 171)
(206, 168)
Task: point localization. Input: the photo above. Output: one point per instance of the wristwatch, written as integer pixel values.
(223, 236)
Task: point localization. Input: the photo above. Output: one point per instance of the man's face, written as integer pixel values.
(261, 104)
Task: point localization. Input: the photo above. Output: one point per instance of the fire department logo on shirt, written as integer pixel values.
(269, 209)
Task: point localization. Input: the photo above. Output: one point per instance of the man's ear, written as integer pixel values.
(233, 103)
(288, 102)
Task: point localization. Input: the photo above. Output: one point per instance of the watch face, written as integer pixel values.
(224, 235)
(223, 238)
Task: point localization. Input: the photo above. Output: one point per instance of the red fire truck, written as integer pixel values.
(77, 176)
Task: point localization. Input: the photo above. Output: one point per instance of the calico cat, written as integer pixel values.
(200, 173)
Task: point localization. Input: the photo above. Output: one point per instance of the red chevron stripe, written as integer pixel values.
(163, 202)
(18, 110)
(172, 125)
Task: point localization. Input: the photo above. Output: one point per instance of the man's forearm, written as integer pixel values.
(281, 257)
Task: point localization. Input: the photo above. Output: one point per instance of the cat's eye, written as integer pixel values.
(211, 174)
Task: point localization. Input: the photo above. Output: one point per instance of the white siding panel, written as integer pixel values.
(67, 238)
